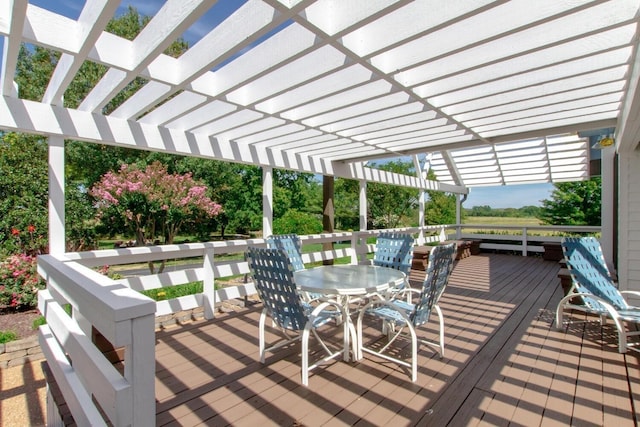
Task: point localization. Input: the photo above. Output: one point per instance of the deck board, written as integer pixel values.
(504, 364)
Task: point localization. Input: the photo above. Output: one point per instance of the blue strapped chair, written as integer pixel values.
(593, 284)
(273, 277)
(398, 315)
(290, 244)
(394, 250)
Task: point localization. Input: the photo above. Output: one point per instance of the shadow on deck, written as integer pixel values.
(504, 364)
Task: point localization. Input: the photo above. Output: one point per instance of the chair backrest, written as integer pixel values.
(290, 244)
(273, 277)
(394, 250)
(438, 271)
(589, 272)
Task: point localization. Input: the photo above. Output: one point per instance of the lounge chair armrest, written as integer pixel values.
(626, 294)
(634, 293)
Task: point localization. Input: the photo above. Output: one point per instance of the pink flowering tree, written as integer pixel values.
(152, 203)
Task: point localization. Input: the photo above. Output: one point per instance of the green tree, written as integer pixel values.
(573, 203)
(236, 187)
(347, 204)
(441, 206)
(294, 221)
(23, 193)
(85, 162)
(391, 206)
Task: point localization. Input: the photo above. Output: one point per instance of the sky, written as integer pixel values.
(509, 196)
(513, 196)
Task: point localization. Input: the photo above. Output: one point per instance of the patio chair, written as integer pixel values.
(290, 243)
(394, 250)
(272, 273)
(398, 315)
(593, 283)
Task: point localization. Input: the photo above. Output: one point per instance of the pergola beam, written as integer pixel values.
(16, 10)
(91, 23)
(33, 117)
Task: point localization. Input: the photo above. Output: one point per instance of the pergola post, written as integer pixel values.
(328, 212)
(363, 205)
(608, 203)
(267, 201)
(57, 241)
(458, 215)
(422, 169)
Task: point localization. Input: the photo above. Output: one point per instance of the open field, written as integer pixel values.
(496, 220)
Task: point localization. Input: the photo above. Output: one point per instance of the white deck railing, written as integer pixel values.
(91, 385)
(523, 239)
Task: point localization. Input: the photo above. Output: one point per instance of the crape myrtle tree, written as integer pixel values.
(573, 203)
(85, 162)
(152, 203)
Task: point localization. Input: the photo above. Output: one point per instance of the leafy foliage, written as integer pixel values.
(346, 201)
(390, 205)
(441, 207)
(7, 336)
(573, 203)
(23, 193)
(19, 282)
(294, 221)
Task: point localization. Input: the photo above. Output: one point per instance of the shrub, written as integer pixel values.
(297, 222)
(19, 282)
(6, 336)
(39, 321)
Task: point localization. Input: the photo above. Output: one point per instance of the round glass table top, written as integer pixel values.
(348, 279)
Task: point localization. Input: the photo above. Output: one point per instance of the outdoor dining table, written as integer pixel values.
(342, 282)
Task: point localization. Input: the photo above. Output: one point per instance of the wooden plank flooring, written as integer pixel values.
(504, 364)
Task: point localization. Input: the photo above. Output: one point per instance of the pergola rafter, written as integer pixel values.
(351, 81)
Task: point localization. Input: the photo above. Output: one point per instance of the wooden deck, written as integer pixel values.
(504, 365)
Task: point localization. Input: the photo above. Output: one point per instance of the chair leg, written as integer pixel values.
(263, 318)
(414, 354)
(305, 356)
(622, 335)
(441, 319)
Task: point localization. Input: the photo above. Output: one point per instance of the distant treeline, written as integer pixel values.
(525, 211)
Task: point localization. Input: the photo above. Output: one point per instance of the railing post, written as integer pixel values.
(140, 370)
(354, 252)
(208, 285)
(524, 241)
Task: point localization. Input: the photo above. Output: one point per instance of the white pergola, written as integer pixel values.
(491, 92)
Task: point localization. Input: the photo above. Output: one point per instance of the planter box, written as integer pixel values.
(552, 252)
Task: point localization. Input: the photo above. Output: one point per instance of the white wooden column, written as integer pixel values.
(208, 284)
(356, 243)
(458, 214)
(363, 205)
(607, 200)
(422, 172)
(57, 242)
(267, 201)
(421, 216)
